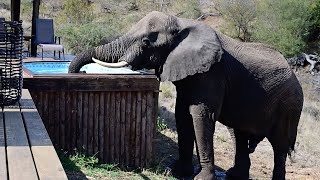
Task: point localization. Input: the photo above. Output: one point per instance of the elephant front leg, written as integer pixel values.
(184, 167)
(204, 127)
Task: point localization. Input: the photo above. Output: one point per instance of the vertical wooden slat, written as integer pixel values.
(57, 125)
(138, 130)
(74, 131)
(79, 121)
(3, 157)
(39, 101)
(117, 131)
(66, 120)
(122, 127)
(45, 112)
(133, 128)
(143, 129)
(61, 108)
(96, 124)
(51, 118)
(85, 117)
(155, 111)
(112, 127)
(127, 130)
(101, 118)
(107, 122)
(149, 126)
(91, 123)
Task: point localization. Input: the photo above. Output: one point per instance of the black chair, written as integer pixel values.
(2, 37)
(2, 30)
(45, 38)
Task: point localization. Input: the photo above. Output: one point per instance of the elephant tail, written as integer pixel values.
(291, 152)
(293, 125)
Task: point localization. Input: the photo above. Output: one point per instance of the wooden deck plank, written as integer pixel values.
(20, 162)
(45, 157)
(3, 157)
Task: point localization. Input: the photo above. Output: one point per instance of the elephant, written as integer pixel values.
(246, 86)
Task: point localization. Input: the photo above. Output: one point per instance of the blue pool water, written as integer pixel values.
(62, 67)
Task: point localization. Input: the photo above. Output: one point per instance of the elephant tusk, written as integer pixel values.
(110, 65)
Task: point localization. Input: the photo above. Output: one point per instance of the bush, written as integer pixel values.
(186, 8)
(240, 15)
(79, 38)
(283, 24)
(315, 21)
(77, 11)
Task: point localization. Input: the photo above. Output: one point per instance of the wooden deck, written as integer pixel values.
(26, 151)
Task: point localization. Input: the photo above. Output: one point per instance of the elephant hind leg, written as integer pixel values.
(282, 138)
(280, 156)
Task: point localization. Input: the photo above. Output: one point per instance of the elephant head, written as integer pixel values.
(174, 47)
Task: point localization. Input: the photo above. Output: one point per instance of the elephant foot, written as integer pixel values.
(182, 170)
(235, 173)
(205, 174)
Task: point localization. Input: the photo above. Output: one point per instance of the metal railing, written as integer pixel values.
(11, 45)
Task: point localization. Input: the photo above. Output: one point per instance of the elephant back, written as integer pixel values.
(262, 62)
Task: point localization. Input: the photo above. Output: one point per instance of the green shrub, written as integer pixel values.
(186, 8)
(239, 16)
(78, 38)
(161, 124)
(77, 11)
(315, 21)
(283, 24)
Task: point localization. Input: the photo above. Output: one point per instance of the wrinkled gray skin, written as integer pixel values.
(246, 86)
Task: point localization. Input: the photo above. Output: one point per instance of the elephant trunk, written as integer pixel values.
(110, 52)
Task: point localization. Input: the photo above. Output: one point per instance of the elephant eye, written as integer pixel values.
(146, 41)
(153, 36)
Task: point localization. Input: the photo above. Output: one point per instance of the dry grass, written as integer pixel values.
(167, 91)
(5, 14)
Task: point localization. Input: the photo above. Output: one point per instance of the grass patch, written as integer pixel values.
(81, 166)
(161, 124)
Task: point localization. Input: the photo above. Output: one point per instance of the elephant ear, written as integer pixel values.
(195, 49)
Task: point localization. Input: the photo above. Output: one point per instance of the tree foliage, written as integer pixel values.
(240, 14)
(185, 8)
(283, 24)
(288, 25)
(77, 11)
(315, 20)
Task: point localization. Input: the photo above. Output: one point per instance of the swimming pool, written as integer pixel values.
(62, 67)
